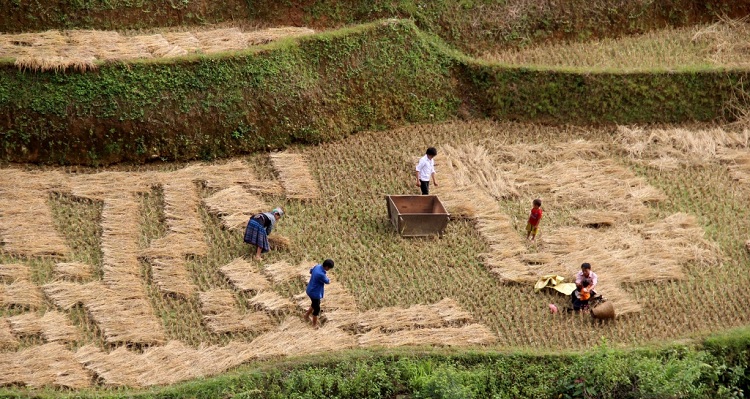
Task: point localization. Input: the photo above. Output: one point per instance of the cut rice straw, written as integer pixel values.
(53, 326)
(221, 314)
(74, 271)
(243, 276)
(45, 365)
(295, 176)
(21, 293)
(472, 334)
(235, 205)
(11, 272)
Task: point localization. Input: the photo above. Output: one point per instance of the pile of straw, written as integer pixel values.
(75, 271)
(669, 149)
(185, 232)
(472, 334)
(46, 365)
(7, 339)
(235, 205)
(21, 293)
(278, 242)
(282, 272)
(84, 49)
(122, 316)
(221, 314)
(293, 338)
(53, 326)
(295, 175)
(172, 277)
(626, 254)
(270, 301)
(11, 272)
(492, 223)
(243, 276)
(161, 365)
(26, 224)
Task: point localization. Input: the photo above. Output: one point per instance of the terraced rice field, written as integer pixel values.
(138, 276)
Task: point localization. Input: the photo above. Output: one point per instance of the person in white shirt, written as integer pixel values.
(426, 171)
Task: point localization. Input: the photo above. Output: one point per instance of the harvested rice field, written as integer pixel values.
(139, 276)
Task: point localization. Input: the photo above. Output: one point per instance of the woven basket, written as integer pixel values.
(603, 311)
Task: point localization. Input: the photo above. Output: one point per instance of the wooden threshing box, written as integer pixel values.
(417, 215)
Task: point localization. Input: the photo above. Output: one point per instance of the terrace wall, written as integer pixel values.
(317, 89)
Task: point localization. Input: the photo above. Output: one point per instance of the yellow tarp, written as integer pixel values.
(556, 283)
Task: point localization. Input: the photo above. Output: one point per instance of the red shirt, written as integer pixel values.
(535, 217)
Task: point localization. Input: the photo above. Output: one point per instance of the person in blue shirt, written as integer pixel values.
(315, 288)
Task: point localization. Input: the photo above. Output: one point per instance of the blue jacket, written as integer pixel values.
(318, 279)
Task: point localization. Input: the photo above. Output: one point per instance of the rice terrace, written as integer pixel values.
(138, 139)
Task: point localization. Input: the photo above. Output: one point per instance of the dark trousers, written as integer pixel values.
(315, 305)
(424, 186)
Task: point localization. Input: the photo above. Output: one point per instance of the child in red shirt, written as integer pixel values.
(532, 226)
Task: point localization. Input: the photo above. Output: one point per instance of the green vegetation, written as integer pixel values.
(475, 26)
(674, 371)
(318, 89)
(717, 45)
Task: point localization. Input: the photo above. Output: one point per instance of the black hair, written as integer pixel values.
(328, 263)
(585, 283)
(431, 151)
(537, 202)
(586, 266)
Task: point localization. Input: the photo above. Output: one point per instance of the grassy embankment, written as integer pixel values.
(317, 89)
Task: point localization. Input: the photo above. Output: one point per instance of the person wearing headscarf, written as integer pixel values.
(259, 227)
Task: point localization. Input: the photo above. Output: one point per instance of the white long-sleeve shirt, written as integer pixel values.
(425, 167)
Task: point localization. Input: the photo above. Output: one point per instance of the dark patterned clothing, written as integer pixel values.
(255, 234)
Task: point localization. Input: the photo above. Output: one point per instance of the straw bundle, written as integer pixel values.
(492, 223)
(293, 338)
(738, 164)
(102, 185)
(74, 270)
(46, 365)
(472, 334)
(183, 40)
(21, 293)
(26, 224)
(221, 314)
(10, 272)
(598, 184)
(681, 146)
(66, 295)
(125, 319)
(221, 40)
(243, 276)
(7, 339)
(473, 165)
(456, 202)
(278, 242)
(270, 301)
(53, 326)
(451, 312)
(598, 218)
(231, 174)
(282, 272)
(295, 176)
(185, 232)
(172, 277)
(395, 319)
(120, 233)
(122, 315)
(234, 205)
